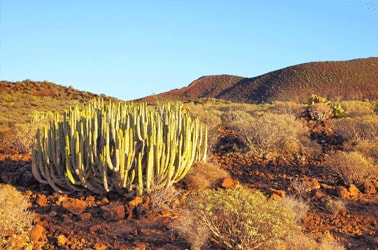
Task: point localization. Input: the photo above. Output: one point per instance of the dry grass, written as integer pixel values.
(357, 128)
(164, 199)
(335, 206)
(368, 149)
(352, 167)
(298, 206)
(15, 219)
(204, 175)
(300, 241)
(358, 108)
(190, 229)
(269, 133)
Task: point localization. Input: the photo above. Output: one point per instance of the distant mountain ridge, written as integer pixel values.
(347, 80)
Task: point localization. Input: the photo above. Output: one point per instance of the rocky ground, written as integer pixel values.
(86, 221)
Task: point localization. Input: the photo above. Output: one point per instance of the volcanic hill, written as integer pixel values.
(346, 80)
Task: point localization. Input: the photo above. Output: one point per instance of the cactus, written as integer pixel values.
(121, 147)
(320, 109)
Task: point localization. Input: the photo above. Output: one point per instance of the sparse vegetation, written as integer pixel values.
(15, 219)
(203, 213)
(203, 175)
(352, 167)
(241, 219)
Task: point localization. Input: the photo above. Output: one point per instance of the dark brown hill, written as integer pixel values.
(348, 80)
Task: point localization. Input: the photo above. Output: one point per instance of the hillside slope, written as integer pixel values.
(348, 80)
(26, 105)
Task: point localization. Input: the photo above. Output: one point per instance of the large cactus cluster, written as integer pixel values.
(107, 146)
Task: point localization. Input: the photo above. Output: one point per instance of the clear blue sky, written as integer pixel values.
(131, 49)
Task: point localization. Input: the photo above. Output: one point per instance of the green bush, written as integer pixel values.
(241, 219)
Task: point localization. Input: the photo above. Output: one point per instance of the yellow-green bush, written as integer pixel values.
(15, 219)
(352, 167)
(358, 108)
(241, 219)
(357, 128)
(273, 133)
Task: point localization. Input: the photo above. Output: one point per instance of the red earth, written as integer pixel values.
(88, 221)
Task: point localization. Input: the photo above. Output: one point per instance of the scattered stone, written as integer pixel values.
(229, 183)
(95, 229)
(75, 206)
(113, 212)
(369, 188)
(275, 197)
(41, 200)
(135, 202)
(311, 184)
(85, 217)
(140, 246)
(280, 193)
(342, 192)
(99, 246)
(37, 234)
(318, 194)
(62, 240)
(354, 192)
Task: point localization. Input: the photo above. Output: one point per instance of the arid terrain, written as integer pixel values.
(343, 206)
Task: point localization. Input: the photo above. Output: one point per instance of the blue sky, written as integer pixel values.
(131, 49)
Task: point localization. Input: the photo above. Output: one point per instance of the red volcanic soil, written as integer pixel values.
(343, 80)
(87, 221)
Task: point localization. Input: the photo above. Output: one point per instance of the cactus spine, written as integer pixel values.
(120, 147)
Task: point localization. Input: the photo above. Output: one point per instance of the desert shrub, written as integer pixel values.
(357, 128)
(368, 149)
(210, 116)
(274, 133)
(298, 206)
(334, 206)
(164, 199)
(203, 175)
(241, 219)
(287, 108)
(358, 108)
(301, 241)
(243, 107)
(188, 227)
(320, 109)
(15, 219)
(352, 167)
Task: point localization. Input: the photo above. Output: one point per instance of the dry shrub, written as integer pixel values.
(319, 112)
(352, 167)
(368, 149)
(190, 229)
(358, 108)
(203, 175)
(287, 108)
(300, 241)
(209, 116)
(358, 128)
(241, 219)
(19, 138)
(242, 107)
(164, 199)
(270, 133)
(299, 207)
(15, 220)
(335, 206)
